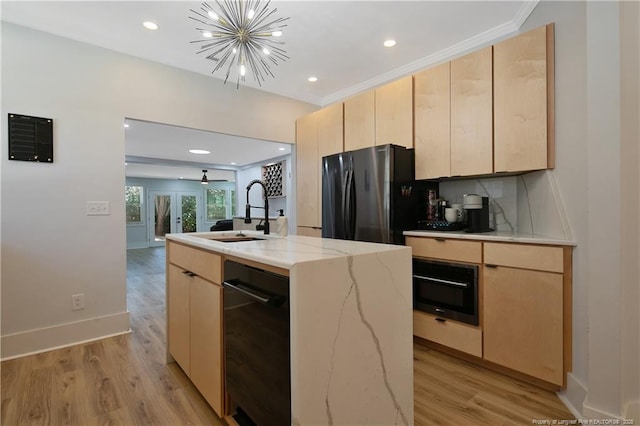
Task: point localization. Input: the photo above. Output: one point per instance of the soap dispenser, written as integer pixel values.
(281, 224)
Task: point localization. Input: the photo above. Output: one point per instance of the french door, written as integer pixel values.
(173, 212)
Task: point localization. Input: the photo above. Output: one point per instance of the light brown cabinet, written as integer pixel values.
(317, 135)
(194, 319)
(471, 114)
(524, 101)
(524, 305)
(178, 290)
(526, 312)
(394, 113)
(307, 171)
(432, 142)
(359, 121)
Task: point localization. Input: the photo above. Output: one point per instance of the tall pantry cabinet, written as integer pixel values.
(317, 135)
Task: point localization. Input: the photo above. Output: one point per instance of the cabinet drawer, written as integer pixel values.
(541, 258)
(203, 263)
(440, 248)
(449, 333)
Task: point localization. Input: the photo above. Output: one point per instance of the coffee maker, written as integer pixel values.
(477, 209)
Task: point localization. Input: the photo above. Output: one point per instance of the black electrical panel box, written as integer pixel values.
(30, 138)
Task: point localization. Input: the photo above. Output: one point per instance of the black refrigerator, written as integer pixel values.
(367, 194)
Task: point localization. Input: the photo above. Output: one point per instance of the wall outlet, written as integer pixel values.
(77, 301)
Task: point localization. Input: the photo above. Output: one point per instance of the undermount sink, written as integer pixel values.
(234, 238)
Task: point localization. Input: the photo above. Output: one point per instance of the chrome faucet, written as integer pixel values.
(247, 217)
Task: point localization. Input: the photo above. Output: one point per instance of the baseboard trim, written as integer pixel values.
(137, 245)
(573, 396)
(593, 413)
(46, 339)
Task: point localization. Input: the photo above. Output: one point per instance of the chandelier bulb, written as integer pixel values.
(212, 15)
(243, 70)
(251, 14)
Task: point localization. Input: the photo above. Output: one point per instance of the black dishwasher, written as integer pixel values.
(256, 343)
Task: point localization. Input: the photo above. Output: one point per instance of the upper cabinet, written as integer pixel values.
(394, 113)
(471, 114)
(432, 122)
(524, 101)
(330, 130)
(359, 121)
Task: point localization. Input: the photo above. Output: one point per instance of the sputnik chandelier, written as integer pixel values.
(242, 35)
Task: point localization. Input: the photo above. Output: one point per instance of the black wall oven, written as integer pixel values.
(447, 290)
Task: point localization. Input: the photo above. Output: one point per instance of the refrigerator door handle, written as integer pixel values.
(351, 206)
(345, 201)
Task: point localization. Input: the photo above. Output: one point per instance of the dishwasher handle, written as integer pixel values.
(271, 299)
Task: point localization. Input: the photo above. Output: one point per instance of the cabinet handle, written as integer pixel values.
(441, 240)
(189, 273)
(490, 265)
(441, 320)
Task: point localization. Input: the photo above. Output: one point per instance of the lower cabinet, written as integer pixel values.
(523, 324)
(526, 300)
(524, 303)
(194, 321)
(456, 335)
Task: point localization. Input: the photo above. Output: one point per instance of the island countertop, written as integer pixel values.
(283, 252)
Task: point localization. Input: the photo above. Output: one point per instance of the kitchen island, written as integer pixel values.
(351, 322)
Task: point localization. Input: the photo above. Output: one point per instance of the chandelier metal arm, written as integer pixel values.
(239, 35)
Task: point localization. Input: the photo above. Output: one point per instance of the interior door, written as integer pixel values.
(162, 216)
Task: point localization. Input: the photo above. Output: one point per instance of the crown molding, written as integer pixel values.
(449, 53)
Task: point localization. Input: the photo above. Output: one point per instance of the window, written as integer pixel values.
(133, 202)
(221, 202)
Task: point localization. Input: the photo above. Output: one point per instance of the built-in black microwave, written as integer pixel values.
(447, 290)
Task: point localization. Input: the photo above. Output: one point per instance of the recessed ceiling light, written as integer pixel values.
(126, 125)
(281, 149)
(199, 151)
(233, 164)
(150, 25)
(180, 177)
(389, 43)
(312, 79)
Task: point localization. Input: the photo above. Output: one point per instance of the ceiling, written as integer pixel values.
(157, 150)
(340, 42)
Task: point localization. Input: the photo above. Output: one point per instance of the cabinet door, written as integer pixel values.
(523, 321)
(359, 121)
(178, 319)
(330, 130)
(432, 122)
(523, 101)
(206, 340)
(471, 114)
(394, 113)
(307, 171)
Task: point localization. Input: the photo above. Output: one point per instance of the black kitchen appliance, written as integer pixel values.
(477, 213)
(369, 194)
(257, 343)
(447, 290)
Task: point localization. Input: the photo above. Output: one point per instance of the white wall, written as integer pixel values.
(590, 175)
(50, 248)
(286, 203)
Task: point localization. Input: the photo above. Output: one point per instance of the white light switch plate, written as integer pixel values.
(98, 208)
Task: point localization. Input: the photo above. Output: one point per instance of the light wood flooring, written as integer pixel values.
(124, 380)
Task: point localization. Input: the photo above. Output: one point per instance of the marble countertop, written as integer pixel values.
(498, 236)
(283, 252)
